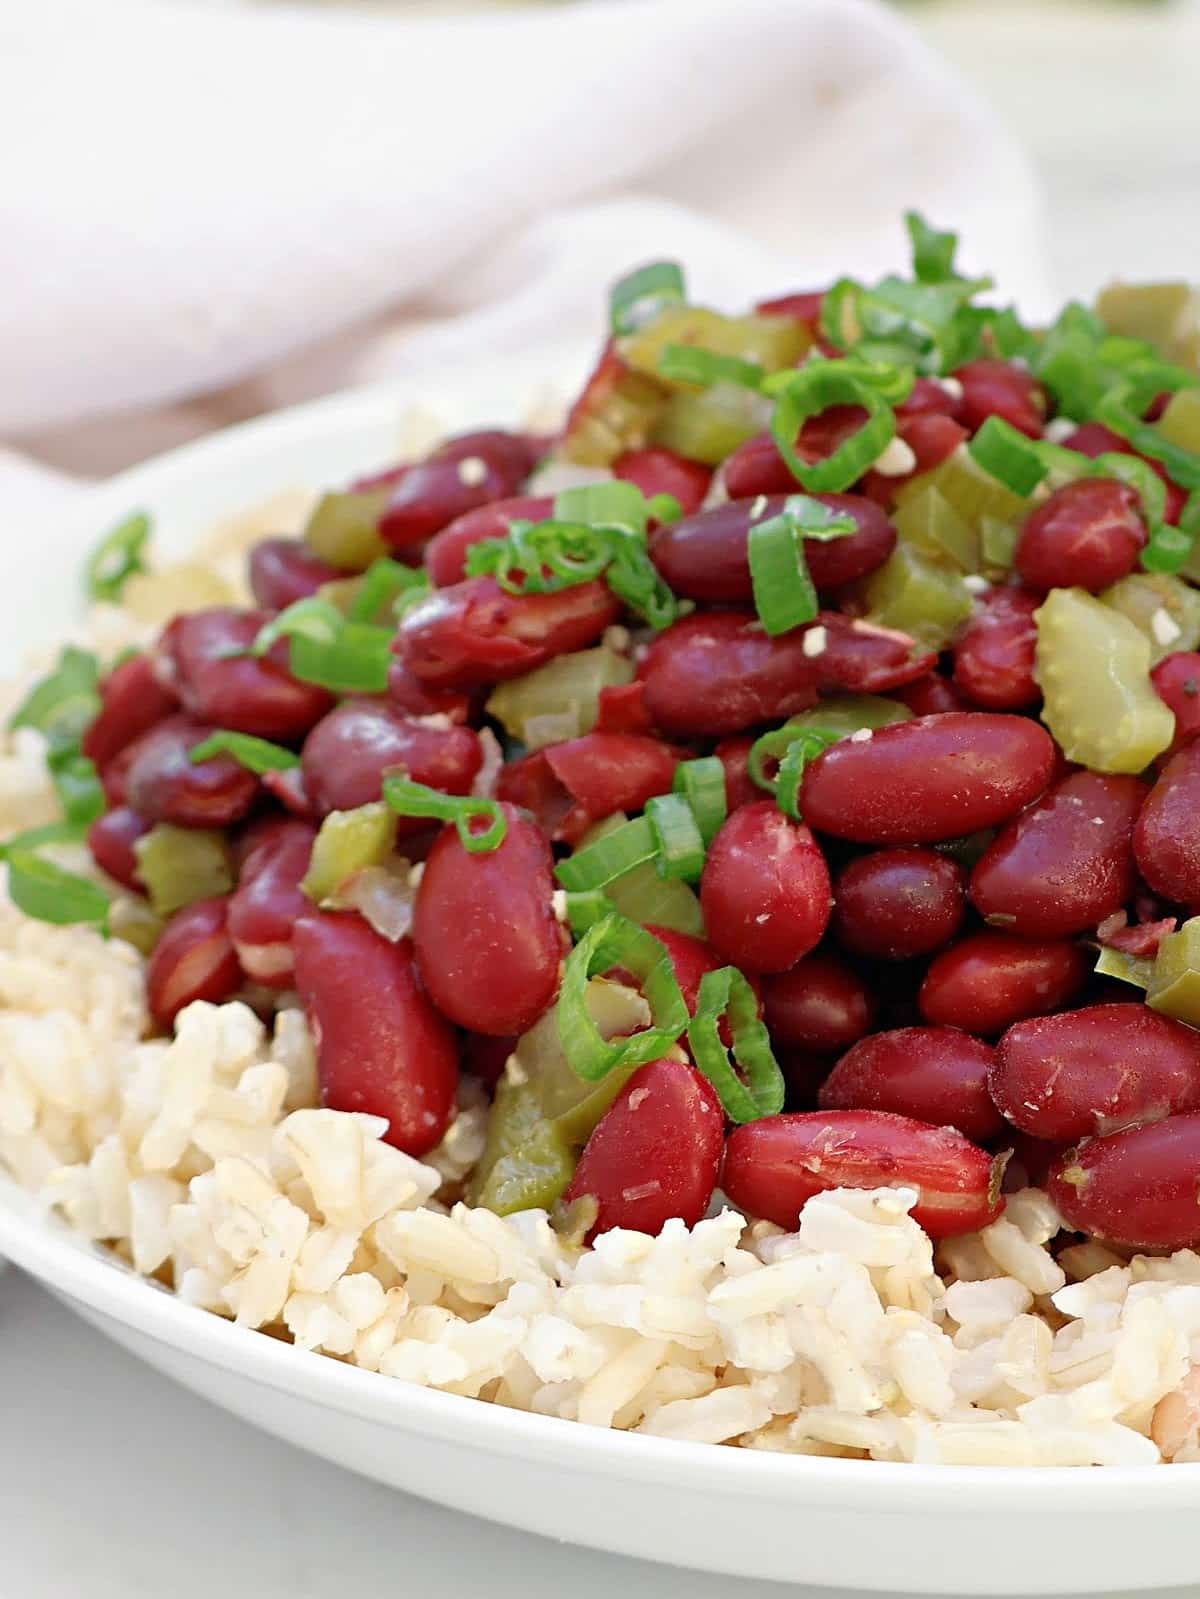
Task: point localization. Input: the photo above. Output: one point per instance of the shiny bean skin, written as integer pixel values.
(268, 902)
(194, 959)
(348, 753)
(621, 708)
(218, 685)
(1093, 1071)
(161, 782)
(755, 468)
(996, 388)
(487, 943)
(895, 904)
(931, 695)
(474, 633)
(1088, 533)
(111, 838)
(114, 775)
(933, 1074)
(446, 552)
(460, 475)
(765, 890)
(1136, 1188)
(287, 786)
(717, 672)
(1066, 863)
(1166, 840)
(1176, 681)
(381, 1046)
(857, 657)
(284, 570)
(934, 778)
(1093, 439)
(570, 786)
(664, 472)
(704, 557)
(655, 1153)
(408, 695)
(734, 755)
(992, 979)
(132, 701)
(774, 1166)
(994, 654)
(820, 1004)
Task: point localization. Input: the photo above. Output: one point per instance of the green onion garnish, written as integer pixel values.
(641, 295)
(688, 363)
(702, 784)
(634, 579)
(77, 784)
(62, 705)
(585, 909)
(932, 252)
(609, 857)
(311, 618)
(615, 504)
(775, 745)
(1168, 550)
(43, 890)
(1007, 455)
(616, 942)
(680, 847)
(383, 583)
(1121, 407)
(117, 557)
(407, 798)
(804, 747)
(355, 661)
(758, 1088)
(255, 754)
(784, 594)
(812, 390)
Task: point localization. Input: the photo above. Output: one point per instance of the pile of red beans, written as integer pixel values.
(923, 943)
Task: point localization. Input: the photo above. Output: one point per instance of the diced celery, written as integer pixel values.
(919, 596)
(615, 1008)
(1174, 987)
(1126, 968)
(344, 528)
(616, 414)
(178, 865)
(997, 544)
(1162, 607)
(772, 342)
(130, 918)
(645, 897)
(709, 425)
(348, 842)
(1180, 422)
(972, 492)
(559, 700)
(929, 523)
(1164, 314)
(533, 1176)
(1093, 666)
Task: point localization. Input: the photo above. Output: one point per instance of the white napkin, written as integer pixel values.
(216, 210)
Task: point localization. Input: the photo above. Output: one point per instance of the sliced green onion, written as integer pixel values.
(117, 557)
(784, 593)
(809, 392)
(688, 363)
(78, 786)
(1120, 409)
(347, 843)
(758, 1088)
(310, 618)
(1008, 456)
(815, 520)
(634, 579)
(383, 583)
(62, 705)
(805, 747)
(615, 504)
(702, 784)
(616, 942)
(1009, 336)
(1168, 550)
(355, 661)
(1141, 478)
(641, 295)
(43, 890)
(663, 508)
(680, 845)
(609, 857)
(585, 909)
(407, 798)
(255, 754)
(179, 865)
(542, 557)
(932, 252)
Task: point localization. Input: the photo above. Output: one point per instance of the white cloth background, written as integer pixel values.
(206, 211)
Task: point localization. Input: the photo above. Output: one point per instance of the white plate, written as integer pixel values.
(841, 1523)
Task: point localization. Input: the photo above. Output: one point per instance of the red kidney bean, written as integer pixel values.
(1166, 843)
(934, 778)
(1093, 439)
(803, 306)
(268, 902)
(474, 633)
(1087, 533)
(111, 838)
(114, 776)
(162, 783)
(1030, 1161)
(931, 695)
(820, 436)
(236, 690)
(408, 695)
(931, 436)
(765, 890)
(820, 1004)
(570, 786)
(288, 788)
(1095, 1070)
(991, 979)
(1176, 679)
(284, 570)
(461, 474)
(898, 903)
(705, 556)
(347, 755)
(860, 657)
(381, 1047)
(933, 1074)
(734, 755)
(1066, 863)
(486, 1057)
(446, 553)
(774, 1166)
(928, 397)
(1136, 1188)
(132, 701)
(994, 655)
(655, 1153)
(621, 708)
(691, 959)
(717, 672)
(995, 388)
(664, 472)
(194, 959)
(487, 942)
(755, 468)
(803, 1073)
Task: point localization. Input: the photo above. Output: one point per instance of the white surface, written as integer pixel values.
(913, 1527)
